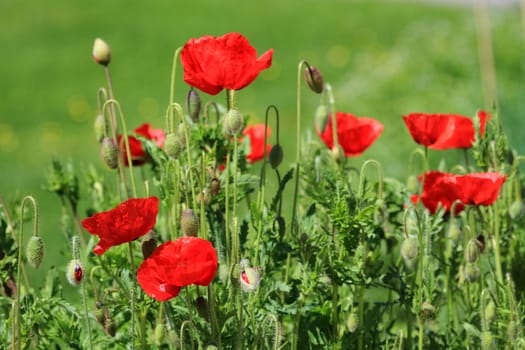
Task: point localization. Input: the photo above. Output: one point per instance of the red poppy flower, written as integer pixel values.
(354, 134)
(440, 190)
(138, 155)
(480, 188)
(226, 62)
(125, 223)
(443, 131)
(175, 264)
(256, 135)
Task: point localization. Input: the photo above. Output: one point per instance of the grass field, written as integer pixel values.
(383, 60)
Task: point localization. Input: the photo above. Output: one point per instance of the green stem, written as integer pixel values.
(361, 316)
(86, 313)
(173, 73)
(132, 296)
(495, 242)
(216, 334)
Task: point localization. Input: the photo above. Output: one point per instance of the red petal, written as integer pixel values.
(152, 284)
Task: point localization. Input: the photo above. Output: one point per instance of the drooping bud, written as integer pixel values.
(100, 127)
(412, 184)
(35, 251)
(74, 272)
(182, 130)
(409, 248)
(193, 104)
(203, 197)
(453, 231)
(173, 145)
(471, 251)
(100, 311)
(101, 52)
(276, 156)
(471, 272)
(201, 303)
(516, 209)
(159, 334)
(352, 322)
(109, 325)
(109, 152)
(233, 122)
(149, 243)
(490, 311)
(513, 329)
(189, 223)
(427, 310)
(321, 117)
(480, 240)
(215, 186)
(314, 79)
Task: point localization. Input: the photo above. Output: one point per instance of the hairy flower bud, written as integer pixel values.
(409, 248)
(276, 156)
(471, 251)
(516, 209)
(453, 231)
(74, 272)
(109, 325)
(427, 310)
(109, 152)
(249, 277)
(314, 79)
(471, 272)
(189, 223)
(100, 127)
(193, 104)
(35, 251)
(159, 334)
(513, 329)
(101, 52)
(487, 341)
(233, 122)
(173, 145)
(490, 311)
(412, 184)
(352, 322)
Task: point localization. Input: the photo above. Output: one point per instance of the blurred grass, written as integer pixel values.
(383, 60)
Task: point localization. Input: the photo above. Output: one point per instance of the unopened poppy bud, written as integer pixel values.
(471, 251)
(149, 243)
(189, 223)
(471, 272)
(193, 104)
(352, 322)
(276, 156)
(412, 184)
(109, 325)
(487, 341)
(233, 122)
(409, 248)
(173, 145)
(203, 197)
(74, 272)
(100, 311)
(249, 277)
(159, 334)
(453, 231)
(182, 130)
(100, 127)
(109, 152)
(202, 307)
(101, 52)
(35, 251)
(490, 311)
(314, 79)
(516, 209)
(321, 117)
(513, 329)
(427, 310)
(215, 186)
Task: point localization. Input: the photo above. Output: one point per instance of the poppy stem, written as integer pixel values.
(173, 74)
(333, 117)
(132, 295)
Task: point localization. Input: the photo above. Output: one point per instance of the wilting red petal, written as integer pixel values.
(152, 283)
(480, 188)
(256, 135)
(354, 134)
(125, 223)
(227, 62)
(157, 135)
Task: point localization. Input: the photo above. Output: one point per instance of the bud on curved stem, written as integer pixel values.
(101, 52)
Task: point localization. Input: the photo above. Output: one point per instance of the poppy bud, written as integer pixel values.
(233, 122)
(202, 307)
(427, 310)
(276, 156)
(203, 197)
(182, 129)
(471, 272)
(412, 184)
(189, 222)
(211, 347)
(336, 153)
(453, 231)
(149, 243)
(74, 272)
(321, 117)
(35, 251)
(173, 145)
(249, 277)
(100, 127)
(513, 329)
(193, 104)
(173, 337)
(101, 52)
(490, 311)
(159, 334)
(314, 79)
(487, 341)
(109, 152)
(516, 209)
(109, 325)
(215, 186)
(471, 251)
(352, 322)
(409, 248)
(100, 311)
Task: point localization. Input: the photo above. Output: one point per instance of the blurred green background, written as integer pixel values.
(382, 58)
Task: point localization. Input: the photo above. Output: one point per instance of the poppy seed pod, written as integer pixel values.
(100, 127)
(35, 251)
(233, 122)
(101, 52)
(189, 223)
(314, 79)
(276, 156)
(109, 152)
(173, 145)
(193, 104)
(471, 251)
(74, 272)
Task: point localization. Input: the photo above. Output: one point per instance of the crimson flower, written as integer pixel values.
(175, 264)
(354, 134)
(256, 135)
(226, 62)
(138, 155)
(125, 223)
(480, 188)
(444, 131)
(440, 190)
